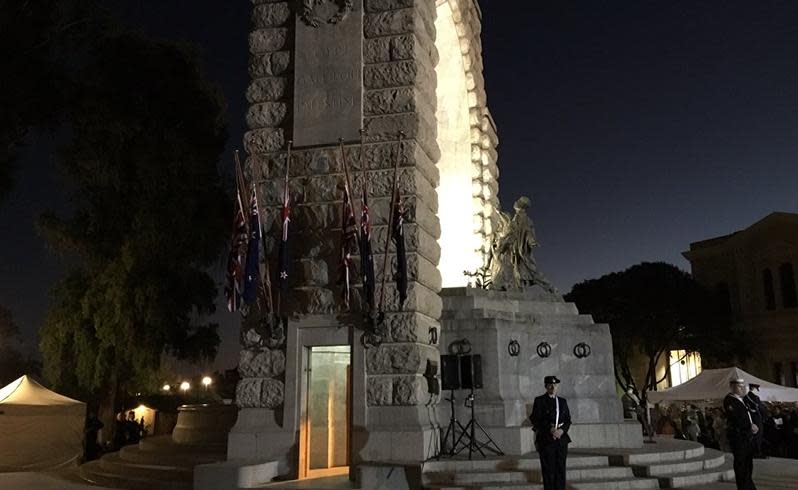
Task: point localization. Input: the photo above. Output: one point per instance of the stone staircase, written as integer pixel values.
(167, 462)
(673, 464)
(155, 463)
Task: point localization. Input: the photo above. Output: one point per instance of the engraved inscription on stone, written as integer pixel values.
(328, 77)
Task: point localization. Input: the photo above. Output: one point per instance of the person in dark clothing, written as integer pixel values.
(133, 429)
(740, 429)
(551, 420)
(120, 431)
(92, 429)
(758, 415)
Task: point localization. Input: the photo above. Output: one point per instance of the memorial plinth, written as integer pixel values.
(490, 321)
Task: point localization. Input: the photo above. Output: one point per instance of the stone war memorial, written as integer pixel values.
(390, 94)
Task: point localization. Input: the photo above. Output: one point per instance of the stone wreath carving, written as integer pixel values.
(309, 17)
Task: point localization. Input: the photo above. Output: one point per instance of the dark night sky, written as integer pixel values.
(636, 126)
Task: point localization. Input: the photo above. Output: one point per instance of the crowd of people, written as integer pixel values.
(707, 424)
(127, 430)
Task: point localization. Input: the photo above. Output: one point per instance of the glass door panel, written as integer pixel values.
(328, 411)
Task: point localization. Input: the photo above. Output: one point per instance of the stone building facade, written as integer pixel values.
(322, 70)
(756, 268)
(398, 53)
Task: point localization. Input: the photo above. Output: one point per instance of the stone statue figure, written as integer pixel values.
(512, 263)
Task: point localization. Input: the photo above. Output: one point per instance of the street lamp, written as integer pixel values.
(206, 382)
(185, 386)
(166, 387)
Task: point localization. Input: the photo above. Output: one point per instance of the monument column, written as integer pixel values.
(320, 72)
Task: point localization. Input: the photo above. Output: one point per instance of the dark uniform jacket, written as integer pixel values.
(543, 416)
(756, 408)
(738, 419)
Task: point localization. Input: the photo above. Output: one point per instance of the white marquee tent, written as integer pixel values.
(39, 429)
(713, 384)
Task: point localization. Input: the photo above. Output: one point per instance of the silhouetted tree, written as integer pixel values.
(149, 217)
(652, 308)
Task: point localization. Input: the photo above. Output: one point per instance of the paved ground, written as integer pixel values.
(769, 474)
(43, 481)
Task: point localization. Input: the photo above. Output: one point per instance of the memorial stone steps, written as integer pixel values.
(711, 459)
(670, 464)
(162, 450)
(156, 463)
(130, 478)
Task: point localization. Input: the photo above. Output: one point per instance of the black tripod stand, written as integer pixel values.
(470, 432)
(453, 428)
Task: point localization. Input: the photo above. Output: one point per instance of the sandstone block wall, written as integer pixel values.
(398, 95)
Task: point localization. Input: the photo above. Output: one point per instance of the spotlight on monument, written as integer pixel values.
(166, 387)
(206, 381)
(185, 386)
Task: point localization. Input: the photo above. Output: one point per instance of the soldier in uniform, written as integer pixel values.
(551, 420)
(740, 430)
(758, 414)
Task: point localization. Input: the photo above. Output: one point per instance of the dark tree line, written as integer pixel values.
(653, 308)
(149, 213)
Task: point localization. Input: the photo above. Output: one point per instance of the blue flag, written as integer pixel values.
(252, 270)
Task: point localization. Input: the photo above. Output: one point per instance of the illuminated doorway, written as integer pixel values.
(325, 418)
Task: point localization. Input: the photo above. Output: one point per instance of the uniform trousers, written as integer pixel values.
(552, 464)
(743, 451)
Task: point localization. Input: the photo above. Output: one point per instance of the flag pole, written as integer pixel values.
(241, 187)
(267, 284)
(362, 163)
(363, 210)
(284, 237)
(348, 183)
(394, 197)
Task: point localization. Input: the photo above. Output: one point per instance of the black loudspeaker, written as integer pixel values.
(471, 372)
(450, 372)
(431, 374)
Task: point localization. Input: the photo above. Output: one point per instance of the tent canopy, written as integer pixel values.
(39, 429)
(713, 384)
(26, 394)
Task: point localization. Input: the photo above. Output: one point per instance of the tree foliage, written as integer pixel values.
(150, 216)
(652, 308)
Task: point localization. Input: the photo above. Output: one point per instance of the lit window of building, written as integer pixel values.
(684, 366)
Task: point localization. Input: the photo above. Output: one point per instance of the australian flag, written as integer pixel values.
(285, 256)
(348, 243)
(252, 271)
(366, 255)
(235, 261)
(401, 255)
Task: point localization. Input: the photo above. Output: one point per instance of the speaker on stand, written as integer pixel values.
(471, 379)
(450, 377)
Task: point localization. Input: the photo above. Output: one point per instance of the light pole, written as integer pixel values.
(185, 386)
(206, 382)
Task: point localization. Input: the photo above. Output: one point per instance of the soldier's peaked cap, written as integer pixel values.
(737, 381)
(550, 380)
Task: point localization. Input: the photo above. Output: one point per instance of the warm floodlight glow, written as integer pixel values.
(460, 242)
(206, 381)
(166, 387)
(684, 366)
(185, 386)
